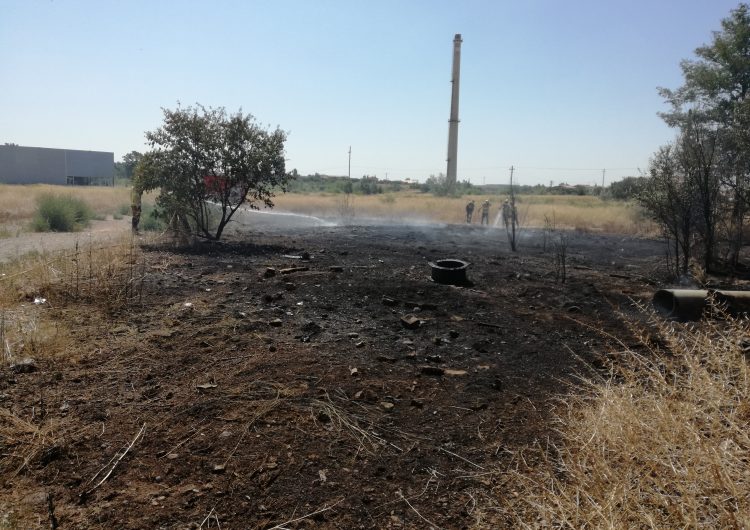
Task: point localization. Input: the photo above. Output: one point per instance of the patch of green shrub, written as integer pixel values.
(61, 213)
(150, 222)
(124, 209)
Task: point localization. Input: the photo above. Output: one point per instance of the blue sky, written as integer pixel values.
(559, 89)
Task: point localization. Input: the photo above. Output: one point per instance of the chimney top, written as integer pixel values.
(457, 37)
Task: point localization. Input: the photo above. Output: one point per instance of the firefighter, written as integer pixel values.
(506, 213)
(469, 211)
(485, 213)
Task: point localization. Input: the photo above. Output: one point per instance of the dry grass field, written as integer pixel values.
(564, 211)
(583, 213)
(17, 203)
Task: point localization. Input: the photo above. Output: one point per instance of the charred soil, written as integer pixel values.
(250, 386)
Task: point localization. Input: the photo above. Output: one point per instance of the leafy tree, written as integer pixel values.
(670, 197)
(208, 164)
(130, 161)
(126, 167)
(712, 112)
(698, 152)
(436, 184)
(627, 188)
(368, 185)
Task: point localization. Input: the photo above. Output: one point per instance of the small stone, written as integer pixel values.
(388, 301)
(386, 406)
(311, 328)
(433, 370)
(410, 321)
(25, 366)
(352, 335)
(35, 498)
(269, 273)
(219, 469)
(360, 344)
(291, 270)
(276, 323)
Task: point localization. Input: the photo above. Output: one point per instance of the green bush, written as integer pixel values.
(150, 220)
(61, 213)
(124, 209)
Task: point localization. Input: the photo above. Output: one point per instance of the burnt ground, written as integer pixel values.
(253, 399)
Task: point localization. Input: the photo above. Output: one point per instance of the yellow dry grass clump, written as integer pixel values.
(109, 276)
(664, 443)
(93, 271)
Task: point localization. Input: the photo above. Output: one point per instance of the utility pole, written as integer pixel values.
(512, 232)
(350, 163)
(604, 172)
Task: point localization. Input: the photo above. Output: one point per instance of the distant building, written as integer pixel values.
(40, 165)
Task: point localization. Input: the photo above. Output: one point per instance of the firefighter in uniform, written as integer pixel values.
(469, 211)
(486, 213)
(506, 213)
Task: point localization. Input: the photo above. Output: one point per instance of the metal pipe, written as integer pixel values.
(688, 304)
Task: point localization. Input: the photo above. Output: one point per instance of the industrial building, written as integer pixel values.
(40, 165)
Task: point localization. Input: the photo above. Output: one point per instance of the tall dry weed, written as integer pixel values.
(106, 274)
(663, 443)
